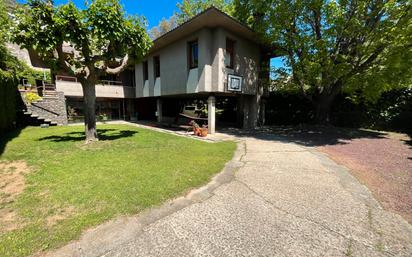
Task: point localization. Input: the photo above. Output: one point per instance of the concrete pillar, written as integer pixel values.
(159, 112)
(211, 114)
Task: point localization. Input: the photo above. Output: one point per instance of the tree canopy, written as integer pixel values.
(190, 8)
(332, 46)
(164, 26)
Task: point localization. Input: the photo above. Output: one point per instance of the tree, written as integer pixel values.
(331, 46)
(105, 42)
(164, 26)
(10, 4)
(6, 61)
(190, 8)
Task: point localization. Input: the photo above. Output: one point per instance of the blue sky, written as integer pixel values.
(153, 10)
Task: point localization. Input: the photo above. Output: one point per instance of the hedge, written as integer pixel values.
(392, 111)
(8, 103)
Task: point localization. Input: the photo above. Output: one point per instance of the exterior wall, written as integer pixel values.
(75, 89)
(29, 57)
(210, 76)
(246, 62)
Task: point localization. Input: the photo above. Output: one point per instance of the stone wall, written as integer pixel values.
(51, 108)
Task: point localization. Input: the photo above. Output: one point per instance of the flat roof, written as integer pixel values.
(210, 18)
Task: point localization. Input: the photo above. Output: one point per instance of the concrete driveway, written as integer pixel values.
(274, 198)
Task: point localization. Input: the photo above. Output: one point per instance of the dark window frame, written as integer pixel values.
(145, 70)
(193, 63)
(230, 50)
(156, 66)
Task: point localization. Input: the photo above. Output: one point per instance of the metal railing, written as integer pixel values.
(66, 78)
(110, 83)
(102, 82)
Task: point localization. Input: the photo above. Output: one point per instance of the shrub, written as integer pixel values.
(31, 97)
(8, 102)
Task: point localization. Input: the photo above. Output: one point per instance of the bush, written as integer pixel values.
(31, 97)
(8, 102)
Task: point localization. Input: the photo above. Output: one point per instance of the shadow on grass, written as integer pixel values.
(8, 136)
(308, 135)
(103, 134)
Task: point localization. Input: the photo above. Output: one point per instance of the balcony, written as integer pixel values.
(105, 88)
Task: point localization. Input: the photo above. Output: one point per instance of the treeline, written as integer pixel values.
(392, 111)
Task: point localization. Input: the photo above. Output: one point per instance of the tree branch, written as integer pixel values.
(118, 69)
(62, 62)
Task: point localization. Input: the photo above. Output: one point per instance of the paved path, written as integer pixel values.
(274, 199)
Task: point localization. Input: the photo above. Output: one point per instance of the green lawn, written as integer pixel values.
(72, 186)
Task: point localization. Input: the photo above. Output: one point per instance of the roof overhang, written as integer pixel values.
(210, 18)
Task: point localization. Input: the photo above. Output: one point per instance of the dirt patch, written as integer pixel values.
(12, 183)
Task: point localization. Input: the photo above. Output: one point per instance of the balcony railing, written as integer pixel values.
(66, 78)
(100, 82)
(110, 83)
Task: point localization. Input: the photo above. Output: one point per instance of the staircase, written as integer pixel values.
(49, 111)
(35, 119)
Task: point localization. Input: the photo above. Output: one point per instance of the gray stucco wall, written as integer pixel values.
(211, 74)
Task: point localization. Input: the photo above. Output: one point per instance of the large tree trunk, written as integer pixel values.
(89, 94)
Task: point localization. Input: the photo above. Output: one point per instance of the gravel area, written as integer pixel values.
(380, 160)
(384, 165)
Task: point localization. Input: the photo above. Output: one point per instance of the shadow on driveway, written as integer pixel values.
(309, 135)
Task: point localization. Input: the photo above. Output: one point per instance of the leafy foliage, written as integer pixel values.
(190, 8)
(164, 26)
(31, 97)
(332, 46)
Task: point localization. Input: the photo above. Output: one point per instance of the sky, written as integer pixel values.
(153, 10)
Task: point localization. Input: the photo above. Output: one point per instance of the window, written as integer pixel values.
(145, 71)
(156, 66)
(193, 54)
(230, 53)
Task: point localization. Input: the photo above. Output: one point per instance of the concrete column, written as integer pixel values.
(211, 114)
(159, 112)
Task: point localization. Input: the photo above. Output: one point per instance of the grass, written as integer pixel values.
(73, 186)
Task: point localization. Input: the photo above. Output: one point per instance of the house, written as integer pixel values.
(211, 58)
